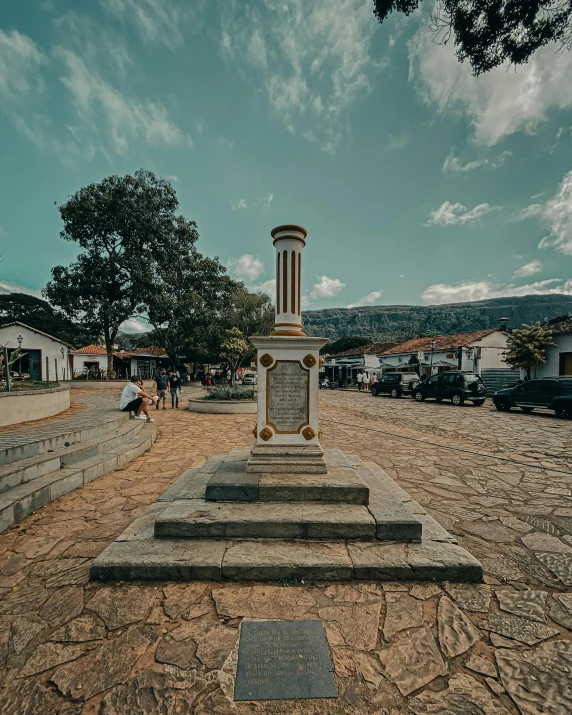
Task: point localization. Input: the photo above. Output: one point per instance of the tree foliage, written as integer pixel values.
(251, 313)
(123, 226)
(234, 349)
(489, 33)
(527, 347)
(187, 304)
(348, 342)
(39, 314)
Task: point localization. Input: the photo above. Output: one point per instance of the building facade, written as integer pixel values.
(559, 357)
(45, 356)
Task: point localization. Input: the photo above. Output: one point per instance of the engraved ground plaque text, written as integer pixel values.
(287, 388)
(279, 660)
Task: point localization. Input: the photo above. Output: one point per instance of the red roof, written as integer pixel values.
(561, 326)
(152, 350)
(373, 349)
(90, 350)
(442, 342)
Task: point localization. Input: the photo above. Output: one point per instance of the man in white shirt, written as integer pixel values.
(134, 399)
(359, 380)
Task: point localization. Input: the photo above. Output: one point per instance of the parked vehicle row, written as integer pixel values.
(552, 393)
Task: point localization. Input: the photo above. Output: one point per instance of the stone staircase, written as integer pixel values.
(221, 522)
(42, 463)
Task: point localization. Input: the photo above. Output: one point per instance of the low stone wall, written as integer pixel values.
(27, 405)
(95, 384)
(223, 407)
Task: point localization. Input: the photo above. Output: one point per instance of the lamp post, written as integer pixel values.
(433, 344)
(20, 340)
(63, 363)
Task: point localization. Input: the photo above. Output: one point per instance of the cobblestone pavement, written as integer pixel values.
(69, 646)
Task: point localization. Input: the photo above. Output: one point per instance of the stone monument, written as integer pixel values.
(285, 508)
(288, 362)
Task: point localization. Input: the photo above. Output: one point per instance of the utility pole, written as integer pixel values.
(7, 369)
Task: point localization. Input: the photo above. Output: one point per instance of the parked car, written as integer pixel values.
(395, 383)
(249, 378)
(549, 393)
(459, 387)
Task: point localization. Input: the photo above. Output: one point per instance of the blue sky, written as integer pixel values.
(417, 182)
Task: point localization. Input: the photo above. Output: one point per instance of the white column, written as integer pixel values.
(289, 241)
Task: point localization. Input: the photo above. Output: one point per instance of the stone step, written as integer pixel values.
(154, 559)
(50, 437)
(340, 485)
(26, 470)
(200, 519)
(25, 498)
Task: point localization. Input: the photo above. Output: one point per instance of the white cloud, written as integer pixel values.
(20, 64)
(498, 103)
(453, 164)
(326, 288)
(265, 201)
(449, 214)
(268, 287)
(529, 269)
(556, 213)
(368, 299)
(133, 325)
(400, 141)
(469, 291)
(312, 62)
(159, 21)
(241, 204)
(246, 268)
(10, 287)
(172, 177)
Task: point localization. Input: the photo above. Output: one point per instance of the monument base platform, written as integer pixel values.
(355, 523)
(293, 459)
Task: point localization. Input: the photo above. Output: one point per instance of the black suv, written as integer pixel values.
(552, 393)
(455, 386)
(395, 383)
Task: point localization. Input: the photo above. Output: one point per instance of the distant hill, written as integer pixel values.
(401, 322)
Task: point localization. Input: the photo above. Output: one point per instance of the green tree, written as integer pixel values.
(123, 226)
(187, 304)
(251, 313)
(527, 347)
(489, 33)
(234, 349)
(39, 314)
(348, 342)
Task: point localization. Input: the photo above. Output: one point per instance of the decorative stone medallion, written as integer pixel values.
(309, 360)
(266, 434)
(308, 433)
(266, 360)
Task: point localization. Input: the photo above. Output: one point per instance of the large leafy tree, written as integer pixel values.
(527, 347)
(489, 33)
(251, 313)
(123, 226)
(187, 304)
(39, 314)
(234, 348)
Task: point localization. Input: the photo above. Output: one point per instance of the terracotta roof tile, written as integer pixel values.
(373, 349)
(442, 342)
(90, 350)
(562, 326)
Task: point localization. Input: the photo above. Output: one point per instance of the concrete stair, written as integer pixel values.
(186, 536)
(59, 459)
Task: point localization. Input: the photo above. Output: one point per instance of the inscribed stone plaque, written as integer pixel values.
(287, 388)
(280, 660)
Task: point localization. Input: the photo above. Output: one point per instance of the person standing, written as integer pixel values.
(366, 381)
(359, 381)
(175, 387)
(161, 384)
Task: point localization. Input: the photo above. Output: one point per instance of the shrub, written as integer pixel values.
(230, 393)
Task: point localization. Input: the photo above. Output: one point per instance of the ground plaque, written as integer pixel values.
(287, 396)
(281, 660)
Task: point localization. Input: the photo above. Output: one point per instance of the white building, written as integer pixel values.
(44, 353)
(89, 359)
(558, 358)
(480, 351)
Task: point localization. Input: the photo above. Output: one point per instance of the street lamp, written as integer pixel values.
(63, 363)
(20, 340)
(433, 344)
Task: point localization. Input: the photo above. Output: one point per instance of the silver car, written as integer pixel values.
(250, 378)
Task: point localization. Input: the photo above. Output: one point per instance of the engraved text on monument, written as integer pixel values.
(287, 396)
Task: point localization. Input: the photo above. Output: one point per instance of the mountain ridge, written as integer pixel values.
(401, 322)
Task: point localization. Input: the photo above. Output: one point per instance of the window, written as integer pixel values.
(447, 379)
(433, 380)
(547, 386)
(529, 386)
(471, 378)
(390, 377)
